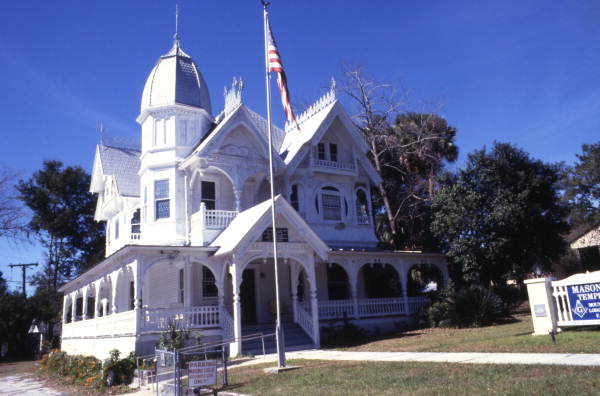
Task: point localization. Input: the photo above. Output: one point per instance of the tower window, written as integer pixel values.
(161, 198)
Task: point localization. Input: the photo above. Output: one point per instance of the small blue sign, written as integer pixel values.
(585, 301)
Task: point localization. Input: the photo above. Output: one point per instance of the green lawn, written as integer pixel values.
(510, 337)
(357, 378)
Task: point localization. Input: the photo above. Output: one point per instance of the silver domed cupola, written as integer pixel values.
(175, 79)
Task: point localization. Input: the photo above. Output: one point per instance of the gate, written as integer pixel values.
(168, 376)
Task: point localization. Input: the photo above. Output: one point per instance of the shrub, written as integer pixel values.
(346, 334)
(119, 371)
(474, 306)
(76, 369)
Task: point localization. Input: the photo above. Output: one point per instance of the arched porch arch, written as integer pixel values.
(378, 280)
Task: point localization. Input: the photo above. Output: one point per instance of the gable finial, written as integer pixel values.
(101, 131)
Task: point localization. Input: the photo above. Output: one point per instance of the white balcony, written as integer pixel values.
(335, 165)
(206, 224)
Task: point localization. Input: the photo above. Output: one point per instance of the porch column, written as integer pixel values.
(114, 278)
(84, 309)
(295, 273)
(314, 302)
(353, 279)
(235, 348)
(73, 306)
(97, 285)
(65, 305)
(238, 200)
(404, 281)
(188, 283)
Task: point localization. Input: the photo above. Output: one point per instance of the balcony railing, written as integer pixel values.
(345, 166)
(218, 219)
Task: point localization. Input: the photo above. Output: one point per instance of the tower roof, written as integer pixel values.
(175, 79)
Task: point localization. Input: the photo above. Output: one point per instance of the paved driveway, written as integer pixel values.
(26, 385)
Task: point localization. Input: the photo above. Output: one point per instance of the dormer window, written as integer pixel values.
(321, 151)
(333, 152)
(327, 152)
(162, 202)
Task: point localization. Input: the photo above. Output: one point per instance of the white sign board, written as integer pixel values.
(202, 372)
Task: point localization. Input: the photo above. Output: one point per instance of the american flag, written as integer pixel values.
(276, 66)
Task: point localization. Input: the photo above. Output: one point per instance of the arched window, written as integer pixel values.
(329, 203)
(362, 207)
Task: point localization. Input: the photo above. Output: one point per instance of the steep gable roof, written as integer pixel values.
(247, 226)
(121, 163)
(242, 114)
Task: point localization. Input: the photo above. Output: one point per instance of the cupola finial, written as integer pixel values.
(176, 36)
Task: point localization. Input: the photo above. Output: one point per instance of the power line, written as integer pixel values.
(24, 269)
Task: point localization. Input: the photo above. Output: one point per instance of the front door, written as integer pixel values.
(248, 297)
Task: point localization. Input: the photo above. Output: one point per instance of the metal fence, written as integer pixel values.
(171, 370)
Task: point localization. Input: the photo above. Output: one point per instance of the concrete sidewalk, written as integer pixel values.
(567, 359)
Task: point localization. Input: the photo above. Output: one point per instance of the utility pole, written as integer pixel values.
(24, 270)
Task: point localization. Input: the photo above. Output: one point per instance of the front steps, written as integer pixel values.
(295, 338)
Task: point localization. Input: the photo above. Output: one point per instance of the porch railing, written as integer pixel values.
(227, 324)
(304, 320)
(380, 307)
(335, 309)
(370, 307)
(109, 325)
(185, 317)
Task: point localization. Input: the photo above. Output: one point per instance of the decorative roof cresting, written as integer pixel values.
(328, 98)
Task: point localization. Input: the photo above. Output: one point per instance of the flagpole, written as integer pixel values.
(278, 330)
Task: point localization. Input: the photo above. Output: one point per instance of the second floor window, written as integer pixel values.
(135, 222)
(294, 200)
(117, 228)
(162, 208)
(209, 195)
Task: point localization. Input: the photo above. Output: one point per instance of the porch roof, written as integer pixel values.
(117, 259)
(251, 223)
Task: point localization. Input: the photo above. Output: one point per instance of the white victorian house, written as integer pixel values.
(188, 238)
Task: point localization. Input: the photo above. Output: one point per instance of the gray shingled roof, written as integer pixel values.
(123, 164)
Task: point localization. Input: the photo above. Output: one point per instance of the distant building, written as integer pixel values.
(585, 243)
(188, 237)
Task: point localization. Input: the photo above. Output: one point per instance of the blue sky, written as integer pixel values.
(526, 72)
